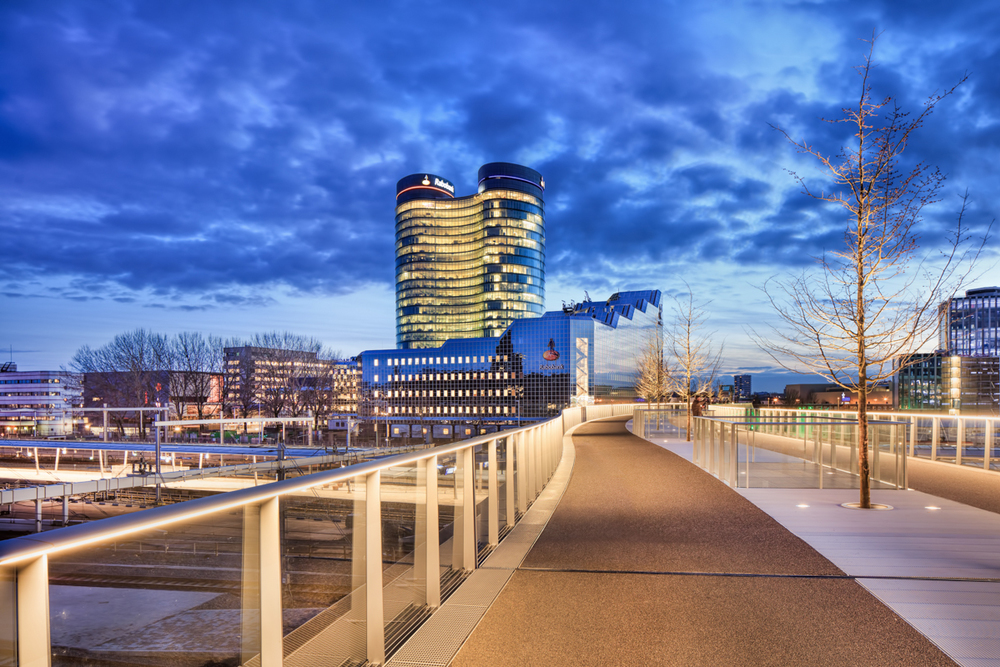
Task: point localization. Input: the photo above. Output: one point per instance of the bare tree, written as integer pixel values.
(284, 363)
(874, 301)
(130, 371)
(695, 359)
(654, 380)
(193, 371)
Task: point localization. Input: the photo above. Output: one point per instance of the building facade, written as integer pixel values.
(466, 267)
(37, 403)
(970, 325)
(936, 382)
(962, 376)
(743, 389)
(280, 382)
(580, 355)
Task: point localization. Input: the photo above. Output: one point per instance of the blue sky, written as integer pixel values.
(229, 167)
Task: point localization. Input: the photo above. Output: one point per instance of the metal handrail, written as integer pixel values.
(31, 546)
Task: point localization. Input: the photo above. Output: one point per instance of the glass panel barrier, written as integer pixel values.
(169, 596)
(323, 571)
(251, 576)
(8, 620)
(404, 591)
(820, 453)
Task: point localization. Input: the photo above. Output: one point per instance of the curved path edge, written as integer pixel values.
(441, 637)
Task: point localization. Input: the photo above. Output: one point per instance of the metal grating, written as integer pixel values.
(481, 588)
(440, 637)
(450, 580)
(438, 640)
(402, 627)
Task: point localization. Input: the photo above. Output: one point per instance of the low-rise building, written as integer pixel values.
(956, 384)
(38, 403)
(585, 353)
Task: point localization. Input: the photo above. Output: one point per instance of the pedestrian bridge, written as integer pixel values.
(566, 542)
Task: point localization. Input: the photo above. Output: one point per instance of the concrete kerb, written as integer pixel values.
(442, 636)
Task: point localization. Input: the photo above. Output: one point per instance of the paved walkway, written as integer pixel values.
(647, 560)
(933, 559)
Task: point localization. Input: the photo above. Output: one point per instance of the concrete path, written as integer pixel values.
(648, 560)
(932, 560)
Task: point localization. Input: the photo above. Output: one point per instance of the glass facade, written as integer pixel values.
(588, 353)
(955, 384)
(971, 324)
(467, 267)
(919, 384)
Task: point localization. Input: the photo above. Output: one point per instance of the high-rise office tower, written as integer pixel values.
(466, 267)
(743, 388)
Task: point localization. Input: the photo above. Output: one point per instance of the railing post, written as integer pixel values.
(900, 454)
(732, 469)
(935, 436)
(987, 444)
(696, 442)
(493, 494)
(427, 556)
(374, 621)
(508, 486)
(540, 478)
(543, 452)
(529, 461)
(271, 634)
(913, 434)
(469, 509)
(959, 439)
(522, 473)
(34, 640)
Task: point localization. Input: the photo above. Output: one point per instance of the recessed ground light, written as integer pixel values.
(802, 506)
(931, 507)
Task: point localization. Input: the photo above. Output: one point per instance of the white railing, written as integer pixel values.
(249, 546)
(962, 440)
(744, 449)
(828, 441)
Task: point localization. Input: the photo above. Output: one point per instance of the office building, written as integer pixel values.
(962, 376)
(970, 325)
(742, 388)
(37, 402)
(281, 382)
(466, 267)
(582, 354)
(936, 382)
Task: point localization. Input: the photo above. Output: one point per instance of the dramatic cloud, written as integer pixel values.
(214, 155)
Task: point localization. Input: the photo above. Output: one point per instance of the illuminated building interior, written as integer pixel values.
(467, 267)
(587, 353)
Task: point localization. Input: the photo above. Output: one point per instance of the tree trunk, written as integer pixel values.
(690, 401)
(863, 468)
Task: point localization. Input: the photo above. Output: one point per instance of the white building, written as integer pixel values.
(37, 403)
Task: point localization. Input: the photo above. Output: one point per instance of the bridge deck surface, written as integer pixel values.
(650, 561)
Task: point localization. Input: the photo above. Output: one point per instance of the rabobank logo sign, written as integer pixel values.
(444, 185)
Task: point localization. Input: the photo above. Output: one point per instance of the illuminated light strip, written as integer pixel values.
(365, 469)
(515, 178)
(424, 187)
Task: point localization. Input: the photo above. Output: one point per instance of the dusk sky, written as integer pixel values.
(229, 167)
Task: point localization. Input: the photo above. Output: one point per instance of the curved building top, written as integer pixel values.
(423, 186)
(508, 176)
